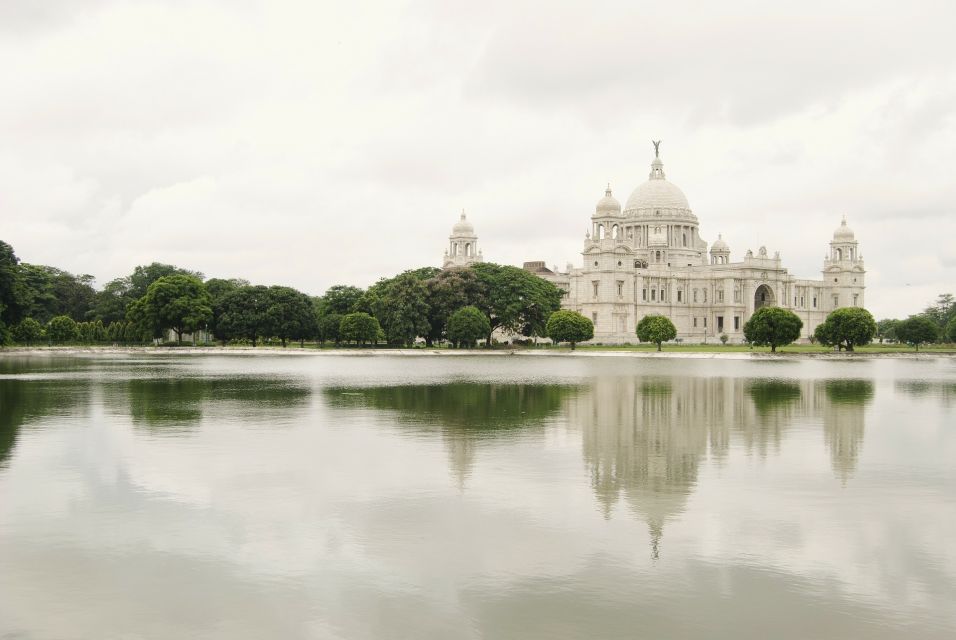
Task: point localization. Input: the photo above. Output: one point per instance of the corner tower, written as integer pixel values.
(462, 245)
(843, 272)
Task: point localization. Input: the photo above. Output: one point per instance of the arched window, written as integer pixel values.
(467, 248)
(658, 256)
(839, 254)
(685, 239)
(600, 233)
(614, 232)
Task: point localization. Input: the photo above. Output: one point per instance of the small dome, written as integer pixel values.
(463, 227)
(719, 245)
(608, 205)
(843, 233)
(657, 192)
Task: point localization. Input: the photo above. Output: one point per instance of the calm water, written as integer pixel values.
(480, 497)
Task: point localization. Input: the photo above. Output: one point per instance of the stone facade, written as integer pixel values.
(649, 258)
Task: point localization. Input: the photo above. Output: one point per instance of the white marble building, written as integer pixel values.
(648, 257)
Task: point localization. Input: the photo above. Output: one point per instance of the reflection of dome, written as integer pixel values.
(719, 245)
(657, 192)
(608, 205)
(843, 233)
(463, 227)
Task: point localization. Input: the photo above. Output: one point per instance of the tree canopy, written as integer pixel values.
(178, 302)
(846, 328)
(359, 327)
(448, 291)
(656, 329)
(290, 315)
(772, 326)
(516, 300)
(243, 314)
(569, 326)
(917, 330)
(62, 329)
(467, 326)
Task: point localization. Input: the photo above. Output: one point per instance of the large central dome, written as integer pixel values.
(657, 193)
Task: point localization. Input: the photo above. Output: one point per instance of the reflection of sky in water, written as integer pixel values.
(530, 497)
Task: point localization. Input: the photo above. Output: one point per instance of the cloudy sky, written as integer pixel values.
(310, 144)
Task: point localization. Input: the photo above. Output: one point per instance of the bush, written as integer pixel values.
(29, 331)
(62, 329)
(656, 329)
(466, 326)
(569, 326)
(360, 328)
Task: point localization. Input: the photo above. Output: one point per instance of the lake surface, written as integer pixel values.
(412, 497)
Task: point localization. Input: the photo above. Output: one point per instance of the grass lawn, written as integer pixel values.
(793, 348)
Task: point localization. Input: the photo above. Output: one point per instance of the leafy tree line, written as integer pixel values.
(936, 323)
(40, 304)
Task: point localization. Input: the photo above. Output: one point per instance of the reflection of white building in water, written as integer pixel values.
(648, 257)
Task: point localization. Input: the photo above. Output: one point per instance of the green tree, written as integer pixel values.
(950, 331)
(290, 315)
(116, 332)
(569, 326)
(942, 311)
(846, 328)
(917, 330)
(145, 275)
(178, 302)
(52, 292)
(360, 327)
(86, 332)
(13, 297)
(28, 332)
(517, 300)
(772, 326)
(243, 315)
(886, 329)
(403, 313)
(62, 329)
(467, 326)
(656, 329)
(111, 304)
(339, 299)
(448, 291)
(329, 328)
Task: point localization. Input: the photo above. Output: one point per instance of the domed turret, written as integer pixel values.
(608, 205)
(720, 251)
(843, 233)
(463, 227)
(462, 245)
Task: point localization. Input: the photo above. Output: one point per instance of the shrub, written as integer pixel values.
(846, 328)
(62, 329)
(772, 326)
(656, 329)
(466, 326)
(569, 326)
(29, 331)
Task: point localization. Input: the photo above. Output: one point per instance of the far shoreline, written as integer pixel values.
(685, 353)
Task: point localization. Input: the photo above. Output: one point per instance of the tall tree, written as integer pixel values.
(13, 297)
(178, 302)
(62, 329)
(242, 314)
(54, 292)
(517, 301)
(360, 327)
(290, 315)
(404, 310)
(918, 330)
(941, 311)
(339, 299)
(145, 275)
(448, 291)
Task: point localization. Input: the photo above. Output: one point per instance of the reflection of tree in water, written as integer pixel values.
(26, 401)
(644, 439)
(843, 422)
(774, 404)
(464, 412)
(177, 403)
(943, 390)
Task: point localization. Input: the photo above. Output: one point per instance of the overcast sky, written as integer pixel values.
(309, 143)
